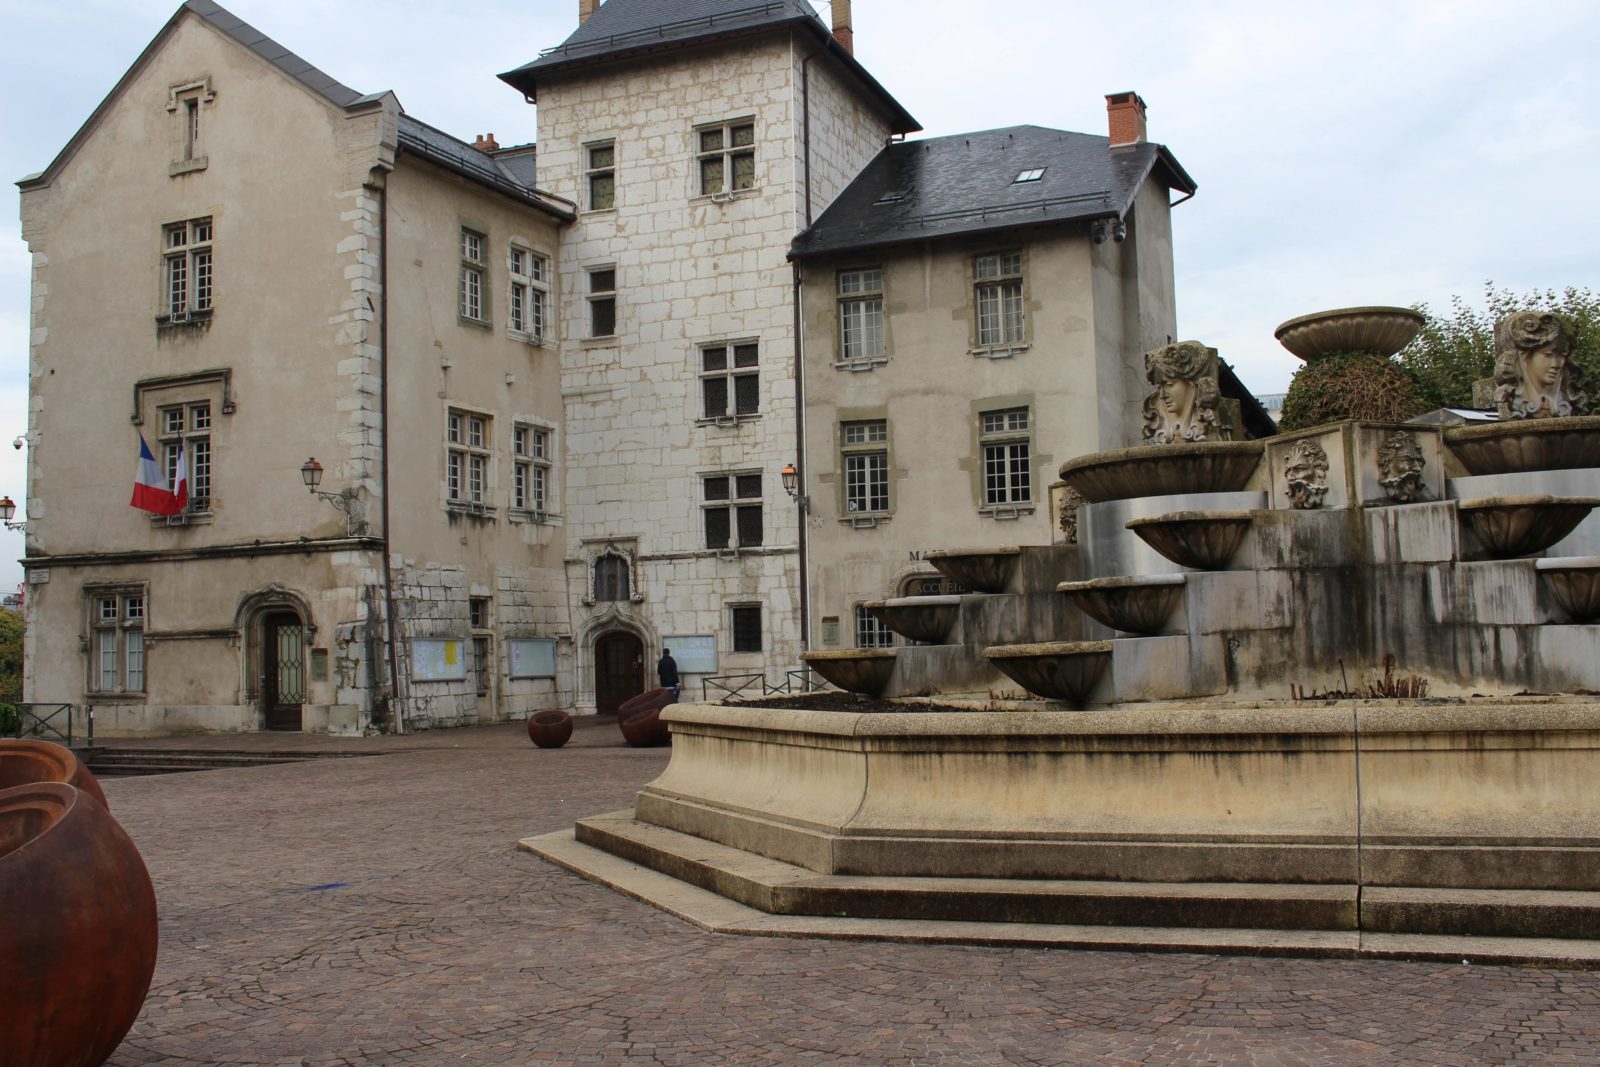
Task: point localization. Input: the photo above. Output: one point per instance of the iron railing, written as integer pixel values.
(730, 686)
(51, 721)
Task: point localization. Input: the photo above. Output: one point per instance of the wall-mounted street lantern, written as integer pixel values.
(344, 500)
(791, 485)
(8, 508)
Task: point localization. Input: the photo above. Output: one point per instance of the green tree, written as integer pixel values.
(11, 631)
(1452, 351)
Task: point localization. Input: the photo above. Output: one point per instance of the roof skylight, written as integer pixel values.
(1028, 176)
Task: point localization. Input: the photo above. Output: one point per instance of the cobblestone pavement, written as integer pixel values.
(376, 911)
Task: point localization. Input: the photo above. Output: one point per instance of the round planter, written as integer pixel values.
(1384, 330)
(78, 943)
(29, 762)
(550, 729)
(640, 718)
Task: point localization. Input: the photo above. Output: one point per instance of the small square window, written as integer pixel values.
(745, 621)
(1028, 176)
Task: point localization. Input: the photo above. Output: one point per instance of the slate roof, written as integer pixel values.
(622, 29)
(514, 177)
(965, 184)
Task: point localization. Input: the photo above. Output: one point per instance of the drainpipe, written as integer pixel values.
(395, 717)
(800, 463)
(805, 111)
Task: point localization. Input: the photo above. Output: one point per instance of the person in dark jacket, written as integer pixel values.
(667, 670)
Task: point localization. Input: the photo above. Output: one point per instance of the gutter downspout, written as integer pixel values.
(800, 464)
(395, 717)
(805, 110)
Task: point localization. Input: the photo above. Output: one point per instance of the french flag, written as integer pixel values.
(150, 489)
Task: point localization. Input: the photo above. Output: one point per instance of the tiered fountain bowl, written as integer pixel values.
(1516, 446)
(855, 670)
(1058, 670)
(1200, 540)
(1163, 470)
(1574, 581)
(1135, 605)
(928, 619)
(982, 570)
(1511, 526)
(1380, 330)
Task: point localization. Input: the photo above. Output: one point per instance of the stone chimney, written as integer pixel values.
(1125, 115)
(841, 26)
(486, 143)
(587, 8)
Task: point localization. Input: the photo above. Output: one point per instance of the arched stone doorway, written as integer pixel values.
(277, 628)
(618, 670)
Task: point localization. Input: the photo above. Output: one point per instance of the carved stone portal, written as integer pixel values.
(1305, 468)
(1534, 375)
(1400, 466)
(1183, 402)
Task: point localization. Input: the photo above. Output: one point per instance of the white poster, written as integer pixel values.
(437, 659)
(532, 657)
(695, 653)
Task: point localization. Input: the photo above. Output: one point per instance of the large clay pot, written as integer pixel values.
(77, 928)
(640, 718)
(27, 762)
(550, 729)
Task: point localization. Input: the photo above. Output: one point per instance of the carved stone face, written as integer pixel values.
(1534, 374)
(1400, 465)
(1543, 366)
(1183, 398)
(1177, 398)
(1305, 468)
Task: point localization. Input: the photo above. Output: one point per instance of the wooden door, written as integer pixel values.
(283, 669)
(618, 671)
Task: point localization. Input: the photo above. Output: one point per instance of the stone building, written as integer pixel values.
(554, 403)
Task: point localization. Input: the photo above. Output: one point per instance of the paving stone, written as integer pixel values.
(345, 913)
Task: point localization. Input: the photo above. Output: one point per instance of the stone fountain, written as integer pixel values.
(1300, 694)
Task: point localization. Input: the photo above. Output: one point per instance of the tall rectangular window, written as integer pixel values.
(997, 289)
(186, 433)
(864, 450)
(745, 622)
(730, 384)
(870, 632)
(478, 620)
(861, 314)
(472, 274)
(530, 293)
(530, 475)
(600, 175)
(116, 618)
(466, 458)
(603, 302)
(1007, 470)
(732, 510)
(727, 155)
(187, 268)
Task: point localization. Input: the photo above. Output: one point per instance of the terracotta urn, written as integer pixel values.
(1201, 540)
(981, 570)
(856, 670)
(26, 762)
(1135, 605)
(550, 729)
(1059, 670)
(639, 719)
(1163, 470)
(1511, 526)
(77, 928)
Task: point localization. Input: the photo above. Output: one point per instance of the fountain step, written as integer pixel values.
(662, 867)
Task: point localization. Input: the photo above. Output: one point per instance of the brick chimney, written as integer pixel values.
(1125, 115)
(842, 31)
(486, 143)
(587, 8)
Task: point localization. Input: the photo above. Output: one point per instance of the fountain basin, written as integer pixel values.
(1575, 583)
(928, 619)
(982, 570)
(1384, 330)
(855, 670)
(1136, 605)
(1163, 470)
(1059, 670)
(1200, 540)
(1511, 526)
(1519, 445)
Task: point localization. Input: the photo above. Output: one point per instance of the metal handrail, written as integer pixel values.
(45, 726)
(724, 684)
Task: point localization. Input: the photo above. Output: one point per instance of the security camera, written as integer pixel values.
(1119, 231)
(18, 443)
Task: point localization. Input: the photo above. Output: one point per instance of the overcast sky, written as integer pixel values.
(1354, 153)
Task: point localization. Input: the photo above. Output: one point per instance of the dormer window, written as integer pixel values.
(1028, 176)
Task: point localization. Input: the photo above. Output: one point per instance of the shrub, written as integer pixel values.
(1350, 385)
(10, 720)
